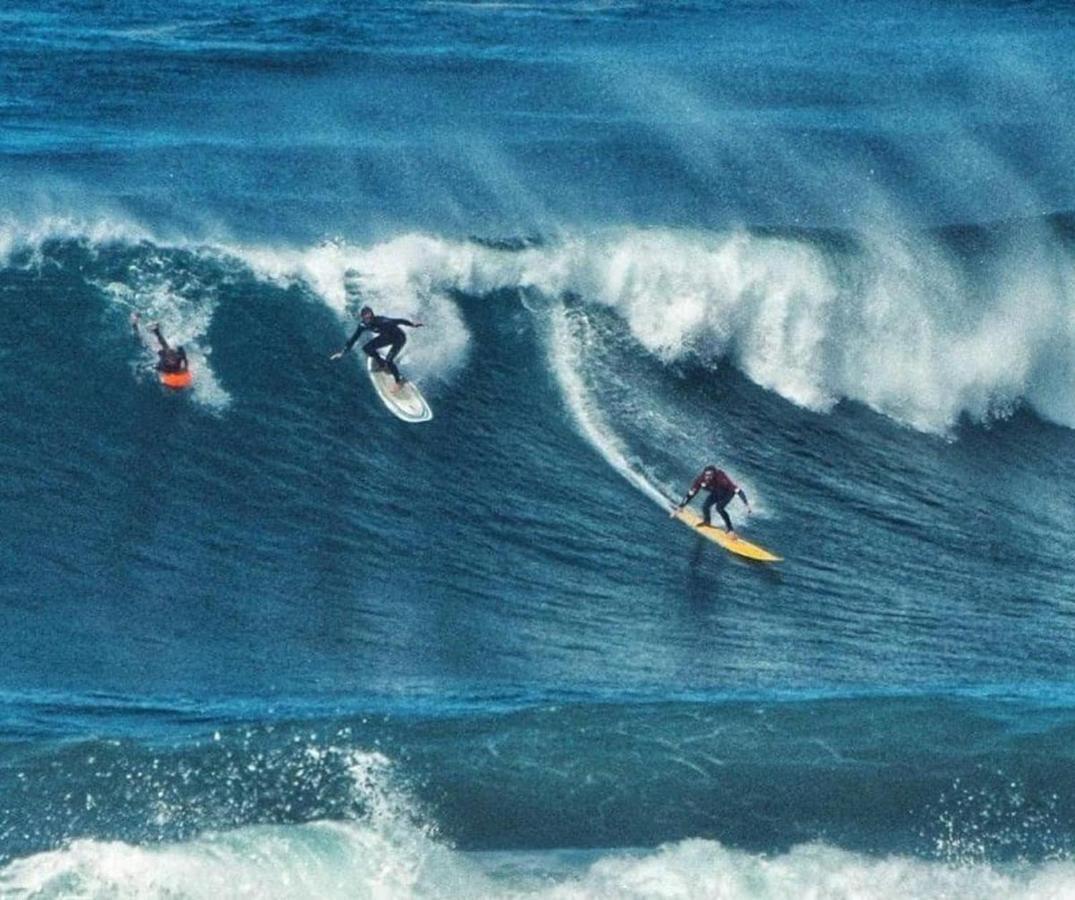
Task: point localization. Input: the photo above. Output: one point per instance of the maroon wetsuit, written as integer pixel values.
(169, 359)
(721, 490)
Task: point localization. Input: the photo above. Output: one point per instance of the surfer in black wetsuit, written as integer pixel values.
(170, 359)
(389, 334)
(721, 490)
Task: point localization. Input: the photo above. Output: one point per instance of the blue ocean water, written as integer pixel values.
(264, 639)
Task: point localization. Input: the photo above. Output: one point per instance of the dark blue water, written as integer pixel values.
(263, 638)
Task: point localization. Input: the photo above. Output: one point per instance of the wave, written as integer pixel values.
(23, 240)
(385, 852)
(408, 277)
(921, 331)
(339, 859)
(385, 843)
(758, 776)
(927, 330)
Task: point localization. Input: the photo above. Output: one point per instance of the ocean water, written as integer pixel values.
(262, 639)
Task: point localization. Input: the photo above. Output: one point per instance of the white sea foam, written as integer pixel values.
(184, 313)
(901, 332)
(390, 848)
(565, 358)
(346, 859)
(411, 277)
(29, 234)
(896, 325)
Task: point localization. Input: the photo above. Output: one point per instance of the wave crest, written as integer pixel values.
(926, 329)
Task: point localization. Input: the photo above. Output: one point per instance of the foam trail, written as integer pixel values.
(565, 362)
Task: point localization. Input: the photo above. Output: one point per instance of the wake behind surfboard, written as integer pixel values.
(734, 545)
(405, 401)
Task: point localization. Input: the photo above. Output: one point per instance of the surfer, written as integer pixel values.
(170, 360)
(721, 490)
(389, 334)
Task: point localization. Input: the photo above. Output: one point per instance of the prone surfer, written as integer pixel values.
(721, 491)
(389, 334)
(170, 360)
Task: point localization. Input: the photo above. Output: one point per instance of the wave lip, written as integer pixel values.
(901, 325)
(918, 328)
(910, 326)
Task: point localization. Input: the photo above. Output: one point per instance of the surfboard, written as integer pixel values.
(718, 535)
(406, 402)
(176, 380)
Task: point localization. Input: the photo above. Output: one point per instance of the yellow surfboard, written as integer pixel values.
(734, 545)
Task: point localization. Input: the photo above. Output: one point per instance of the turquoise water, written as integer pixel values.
(263, 638)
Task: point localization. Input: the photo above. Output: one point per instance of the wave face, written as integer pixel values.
(263, 638)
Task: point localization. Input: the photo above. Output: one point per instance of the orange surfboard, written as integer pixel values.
(177, 380)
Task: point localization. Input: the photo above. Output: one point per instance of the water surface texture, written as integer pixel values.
(264, 639)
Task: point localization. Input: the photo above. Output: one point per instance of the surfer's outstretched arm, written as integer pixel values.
(350, 341)
(686, 499)
(154, 329)
(136, 318)
(743, 497)
(691, 491)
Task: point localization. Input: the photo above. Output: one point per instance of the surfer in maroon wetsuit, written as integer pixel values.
(721, 490)
(389, 335)
(170, 360)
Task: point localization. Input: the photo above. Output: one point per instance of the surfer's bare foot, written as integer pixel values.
(731, 534)
(702, 525)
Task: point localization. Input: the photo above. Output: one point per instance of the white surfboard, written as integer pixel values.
(405, 401)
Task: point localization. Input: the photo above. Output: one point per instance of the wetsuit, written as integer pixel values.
(170, 359)
(721, 490)
(389, 334)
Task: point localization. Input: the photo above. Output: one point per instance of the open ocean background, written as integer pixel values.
(263, 639)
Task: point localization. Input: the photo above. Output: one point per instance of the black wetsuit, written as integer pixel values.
(721, 491)
(389, 334)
